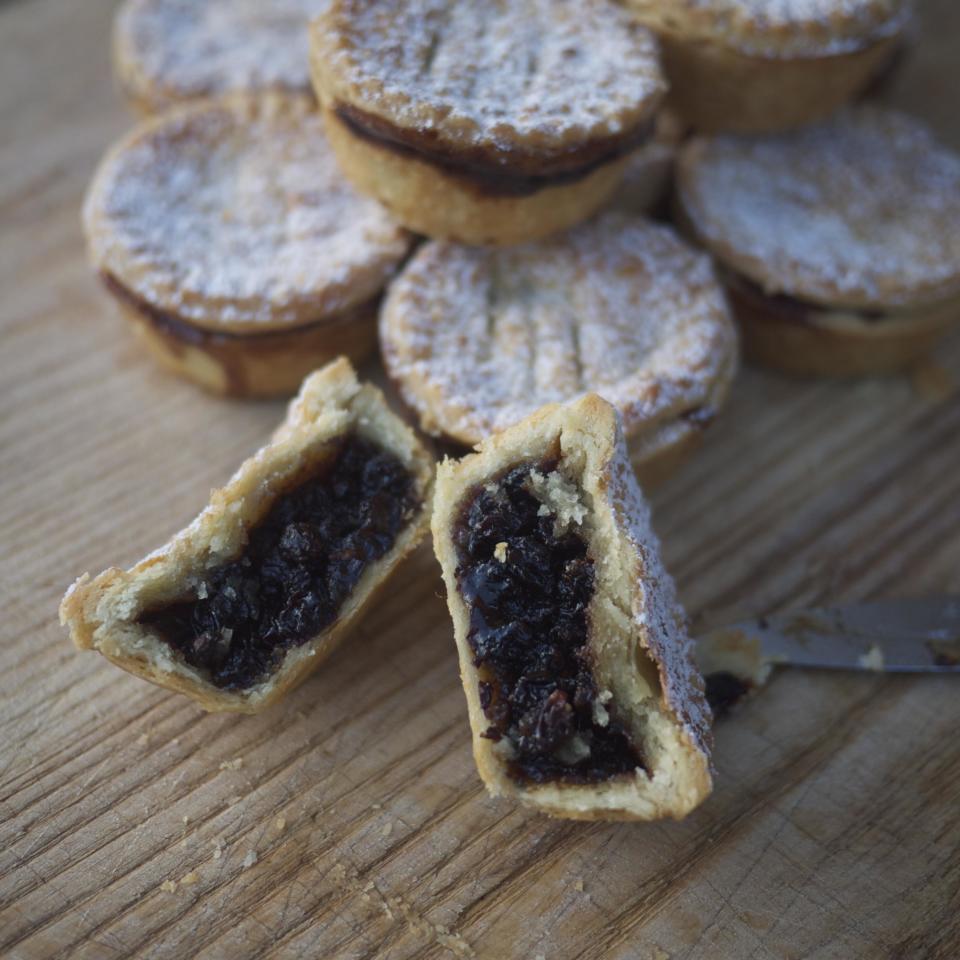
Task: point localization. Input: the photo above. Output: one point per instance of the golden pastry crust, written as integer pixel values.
(254, 365)
(233, 216)
(102, 613)
(859, 212)
(812, 342)
(778, 28)
(473, 74)
(457, 116)
(638, 642)
(169, 51)
(476, 339)
(438, 203)
(754, 65)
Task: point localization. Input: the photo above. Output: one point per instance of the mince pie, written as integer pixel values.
(838, 243)
(229, 237)
(477, 338)
(485, 122)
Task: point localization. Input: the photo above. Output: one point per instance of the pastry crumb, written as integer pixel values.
(185, 819)
(234, 764)
(190, 879)
(376, 806)
(500, 551)
(250, 859)
(387, 829)
(578, 885)
(280, 823)
(169, 886)
(872, 659)
(217, 849)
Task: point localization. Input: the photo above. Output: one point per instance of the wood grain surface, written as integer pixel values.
(349, 821)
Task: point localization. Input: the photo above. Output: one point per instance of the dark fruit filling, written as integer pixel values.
(724, 691)
(301, 562)
(528, 588)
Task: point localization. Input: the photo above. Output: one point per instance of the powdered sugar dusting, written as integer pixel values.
(861, 210)
(491, 70)
(657, 611)
(189, 48)
(237, 215)
(784, 27)
(478, 338)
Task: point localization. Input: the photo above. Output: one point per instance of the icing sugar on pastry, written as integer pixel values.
(475, 70)
(788, 27)
(169, 50)
(233, 215)
(859, 211)
(478, 338)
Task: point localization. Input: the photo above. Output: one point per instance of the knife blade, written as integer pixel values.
(920, 635)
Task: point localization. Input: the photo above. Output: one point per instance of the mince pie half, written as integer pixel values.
(583, 698)
(246, 602)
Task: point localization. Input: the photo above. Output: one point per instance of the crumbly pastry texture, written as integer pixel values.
(166, 51)
(233, 215)
(490, 73)
(858, 212)
(104, 613)
(476, 339)
(778, 28)
(640, 653)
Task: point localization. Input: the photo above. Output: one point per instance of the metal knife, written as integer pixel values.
(891, 636)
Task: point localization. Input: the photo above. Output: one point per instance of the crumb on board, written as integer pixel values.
(169, 886)
(578, 885)
(500, 551)
(235, 764)
(217, 849)
(250, 859)
(387, 829)
(190, 879)
(281, 822)
(872, 659)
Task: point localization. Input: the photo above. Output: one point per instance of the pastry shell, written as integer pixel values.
(102, 613)
(501, 159)
(475, 339)
(231, 239)
(638, 640)
(742, 66)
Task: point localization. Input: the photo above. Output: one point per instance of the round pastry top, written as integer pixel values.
(476, 338)
(494, 74)
(172, 50)
(779, 28)
(861, 211)
(233, 215)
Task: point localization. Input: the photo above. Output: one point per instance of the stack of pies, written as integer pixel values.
(480, 188)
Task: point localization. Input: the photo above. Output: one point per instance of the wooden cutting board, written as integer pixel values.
(349, 821)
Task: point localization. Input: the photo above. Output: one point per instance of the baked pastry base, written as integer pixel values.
(640, 653)
(842, 345)
(256, 365)
(430, 200)
(103, 613)
(716, 88)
